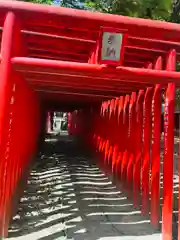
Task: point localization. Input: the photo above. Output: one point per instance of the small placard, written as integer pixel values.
(111, 46)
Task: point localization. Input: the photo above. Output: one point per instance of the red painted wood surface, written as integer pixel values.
(156, 138)
(138, 149)
(120, 137)
(18, 138)
(42, 61)
(125, 150)
(115, 137)
(167, 209)
(146, 149)
(130, 141)
(155, 168)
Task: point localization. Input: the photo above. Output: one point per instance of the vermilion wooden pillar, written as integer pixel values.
(130, 143)
(9, 48)
(138, 149)
(120, 137)
(125, 150)
(168, 151)
(146, 149)
(156, 138)
(100, 118)
(101, 127)
(69, 123)
(115, 137)
(146, 138)
(106, 127)
(111, 131)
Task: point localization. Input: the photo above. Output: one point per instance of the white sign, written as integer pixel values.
(111, 46)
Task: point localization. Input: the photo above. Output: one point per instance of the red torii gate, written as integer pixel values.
(51, 54)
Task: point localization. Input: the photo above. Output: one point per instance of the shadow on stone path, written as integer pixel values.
(68, 197)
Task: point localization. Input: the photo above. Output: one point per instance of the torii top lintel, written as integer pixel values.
(84, 20)
(146, 39)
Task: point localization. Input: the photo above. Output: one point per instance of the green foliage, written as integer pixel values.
(175, 16)
(154, 9)
(78, 4)
(100, 6)
(40, 1)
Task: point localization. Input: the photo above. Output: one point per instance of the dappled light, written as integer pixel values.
(60, 201)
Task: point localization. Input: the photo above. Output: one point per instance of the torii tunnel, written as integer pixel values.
(54, 58)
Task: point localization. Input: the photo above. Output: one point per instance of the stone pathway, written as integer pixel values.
(68, 197)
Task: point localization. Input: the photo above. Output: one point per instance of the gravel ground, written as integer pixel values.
(69, 197)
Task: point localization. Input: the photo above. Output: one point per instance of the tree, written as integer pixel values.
(78, 4)
(40, 1)
(175, 16)
(154, 9)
